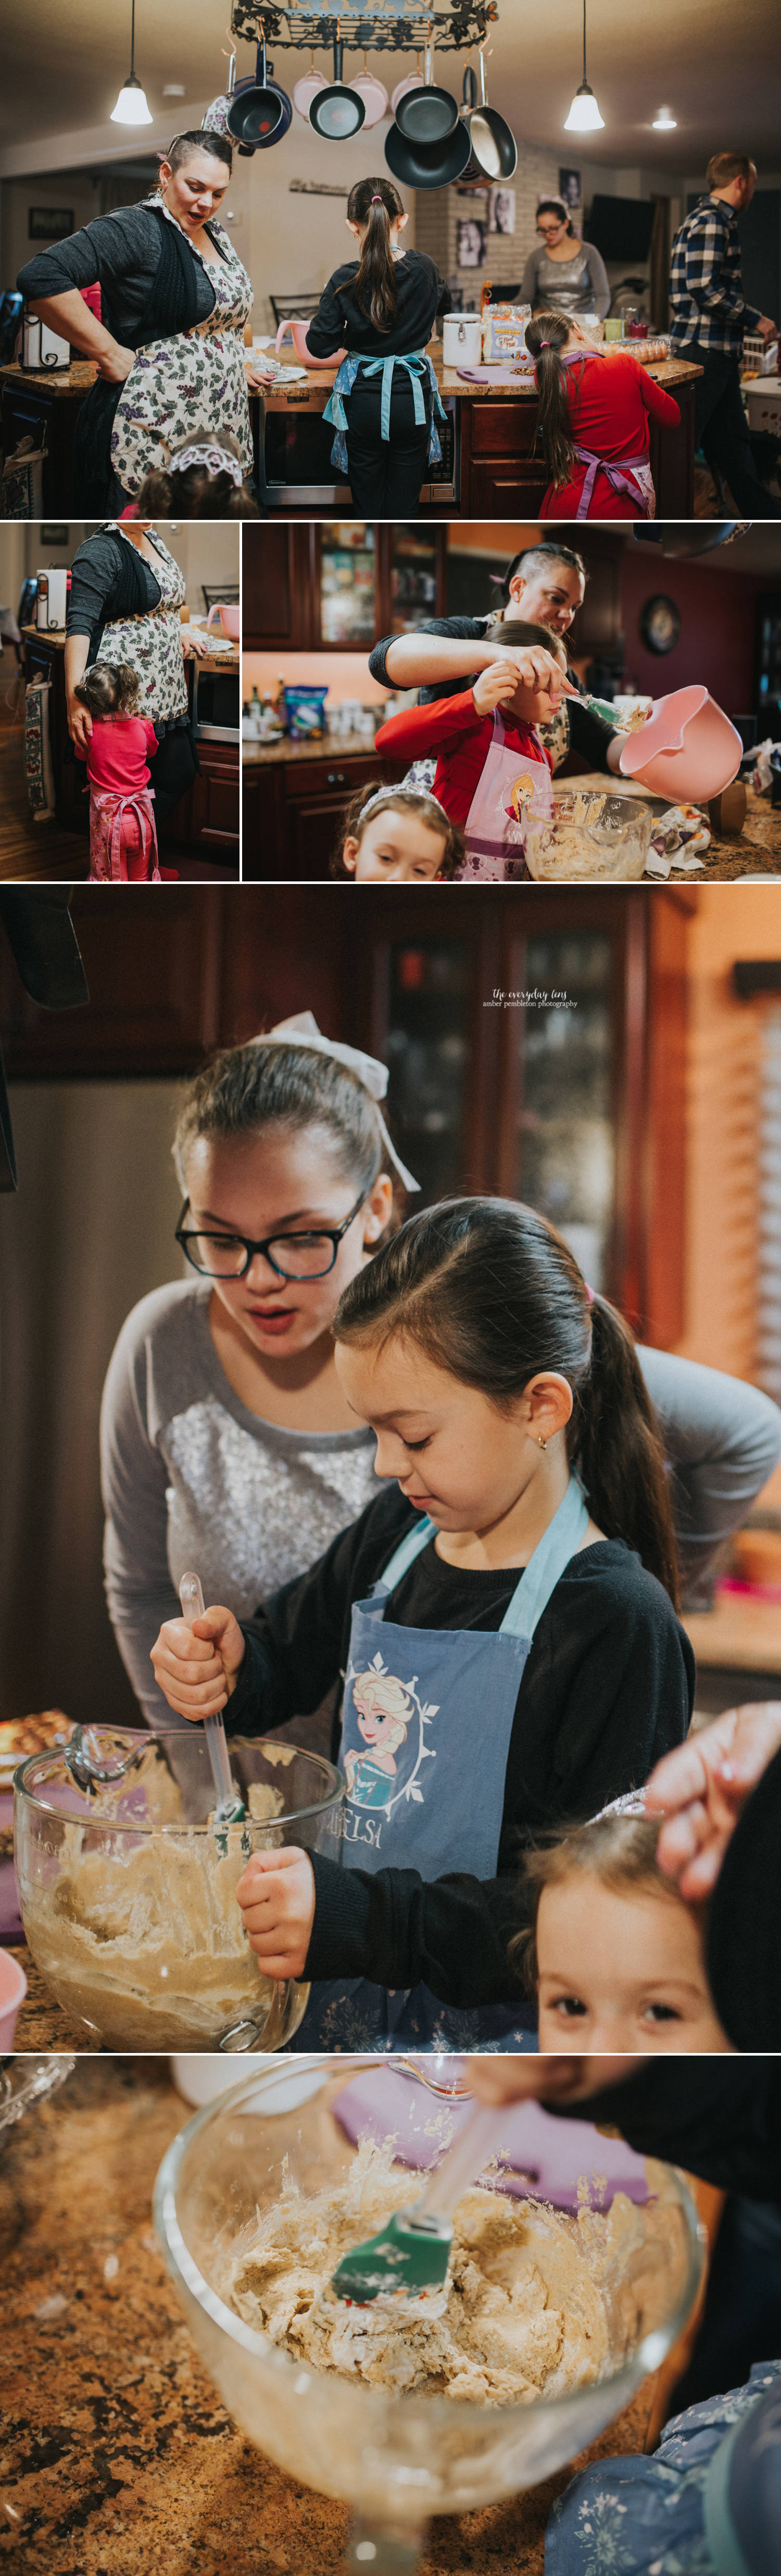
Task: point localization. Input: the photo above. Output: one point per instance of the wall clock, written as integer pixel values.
(660, 623)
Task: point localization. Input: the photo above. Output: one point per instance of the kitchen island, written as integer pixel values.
(499, 474)
(204, 830)
(118, 2453)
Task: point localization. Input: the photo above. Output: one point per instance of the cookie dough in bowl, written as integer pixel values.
(128, 1893)
(552, 2322)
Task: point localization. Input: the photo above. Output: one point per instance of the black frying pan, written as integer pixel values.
(428, 165)
(255, 110)
(337, 111)
(429, 114)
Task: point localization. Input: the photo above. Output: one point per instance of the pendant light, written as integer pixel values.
(131, 107)
(665, 122)
(584, 113)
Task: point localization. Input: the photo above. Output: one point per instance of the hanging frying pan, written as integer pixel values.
(307, 89)
(484, 162)
(428, 165)
(373, 93)
(256, 108)
(495, 125)
(338, 110)
(286, 118)
(429, 114)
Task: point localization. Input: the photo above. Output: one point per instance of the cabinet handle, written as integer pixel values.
(336, 778)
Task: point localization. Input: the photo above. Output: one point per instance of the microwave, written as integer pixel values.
(216, 705)
(297, 458)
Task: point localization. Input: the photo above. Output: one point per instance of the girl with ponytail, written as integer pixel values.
(593, 423)
(502, 1616)
(381, 309)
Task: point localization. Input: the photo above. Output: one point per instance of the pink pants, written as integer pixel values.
(122, 837)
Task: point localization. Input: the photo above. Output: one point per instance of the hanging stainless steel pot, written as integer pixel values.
(502, 137)
(337, 111)
(429, 114)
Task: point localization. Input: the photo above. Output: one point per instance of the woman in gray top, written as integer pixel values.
(563, 274)
(226, 1442)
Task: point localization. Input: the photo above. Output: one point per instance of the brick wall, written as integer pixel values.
(439, 210)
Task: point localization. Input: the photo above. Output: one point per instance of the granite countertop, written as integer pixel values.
(75, 379)
(319, 380)
(756, 852)
(333, 748)
(57, 636)
(118, 2454)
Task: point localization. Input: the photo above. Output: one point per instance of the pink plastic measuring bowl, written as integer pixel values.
(687, 750)
(302, 350)
(230, 619)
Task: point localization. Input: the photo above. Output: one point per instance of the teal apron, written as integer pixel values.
(427, 1720)
(416, 364)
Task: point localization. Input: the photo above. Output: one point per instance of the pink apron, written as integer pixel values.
(634, 477)
(512, 784)
(107, 811)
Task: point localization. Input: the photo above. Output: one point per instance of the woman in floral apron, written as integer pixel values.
(593, 423)
(169, 346)
(123, 607)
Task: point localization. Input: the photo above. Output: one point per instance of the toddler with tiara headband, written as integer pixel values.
(615, 1955)
(396, 836)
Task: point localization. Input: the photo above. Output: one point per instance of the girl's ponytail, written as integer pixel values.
(546, 336)
(375, 204)
(616, 1439)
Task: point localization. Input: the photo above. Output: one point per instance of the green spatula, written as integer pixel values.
(407, 2262)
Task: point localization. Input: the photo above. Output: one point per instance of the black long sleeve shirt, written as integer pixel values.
(589, 735)
(340, 324)
(608, 1688)
(718, 2117)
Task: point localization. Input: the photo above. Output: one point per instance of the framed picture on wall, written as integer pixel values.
(569, 189)
(49, 223)
(501, 210)
(472, 242)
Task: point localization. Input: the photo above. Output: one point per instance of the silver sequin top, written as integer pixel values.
(192, 1478)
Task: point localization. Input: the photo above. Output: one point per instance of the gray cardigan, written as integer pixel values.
(119, 251)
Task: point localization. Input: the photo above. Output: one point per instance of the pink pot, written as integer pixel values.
(302, 350)
(402, 89)
(306, 90)
(374, 95)
(687, 749)
(13, 1988)
(230, 620)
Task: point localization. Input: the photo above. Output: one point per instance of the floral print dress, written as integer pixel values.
(152, 643)
(189, 381)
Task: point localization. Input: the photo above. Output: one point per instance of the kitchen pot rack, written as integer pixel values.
(452, 30)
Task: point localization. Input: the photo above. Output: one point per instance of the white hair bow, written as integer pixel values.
(301, 1030)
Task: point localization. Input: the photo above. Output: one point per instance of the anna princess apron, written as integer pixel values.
(512, 785)
(427, 1720)
(190, 381)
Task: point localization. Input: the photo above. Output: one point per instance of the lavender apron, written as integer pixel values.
(427, 1719)
(512, 784)
(107, 811)
(633, 476)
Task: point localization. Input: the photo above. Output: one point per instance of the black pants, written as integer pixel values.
(173, 769)
(386, 474)
(721, 430)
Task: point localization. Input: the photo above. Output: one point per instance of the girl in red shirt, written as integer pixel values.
(593, 423)
(122, 835)
(492, 769)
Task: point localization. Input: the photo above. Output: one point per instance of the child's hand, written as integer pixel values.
(524, 2079)
(495, 687)
(196, 1667)
(702, 1787)
(277, 1899)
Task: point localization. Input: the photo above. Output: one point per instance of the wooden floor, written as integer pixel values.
(28, 850)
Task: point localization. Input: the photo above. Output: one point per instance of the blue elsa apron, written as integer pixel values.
(426, 1725)
(416, 363)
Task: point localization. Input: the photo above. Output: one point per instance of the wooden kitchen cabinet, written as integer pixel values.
(487, 1093)
(283, 604)
(292, 811)
(209, 817)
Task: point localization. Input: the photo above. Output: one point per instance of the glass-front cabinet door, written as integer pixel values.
(414, 577)
(348, 583)
(562, 1039)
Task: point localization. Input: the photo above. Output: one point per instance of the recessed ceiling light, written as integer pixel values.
(664, 123)
(174, 89)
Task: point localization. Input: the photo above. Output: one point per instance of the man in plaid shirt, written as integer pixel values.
(710, 316)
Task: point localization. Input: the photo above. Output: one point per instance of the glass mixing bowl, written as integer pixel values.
(395, 2458)
(588, 836)
(127, 1892)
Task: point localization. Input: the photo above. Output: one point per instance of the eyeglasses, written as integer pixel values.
(545, 232)
(292, 1256)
